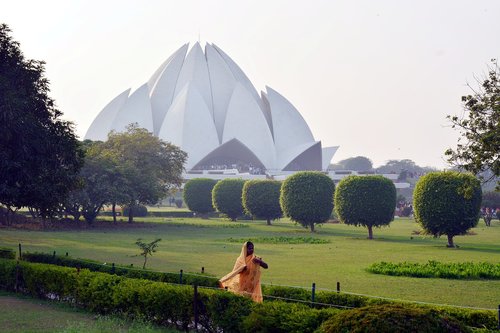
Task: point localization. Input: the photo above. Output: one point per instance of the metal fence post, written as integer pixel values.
(180, 277)
(313, 293)
(338, 286)
(20, 252)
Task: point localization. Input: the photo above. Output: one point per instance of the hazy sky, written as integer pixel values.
(376, 78)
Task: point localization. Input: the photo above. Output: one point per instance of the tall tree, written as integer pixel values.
(478, 148)
(150, 166)
(39, 155)
(101, 182)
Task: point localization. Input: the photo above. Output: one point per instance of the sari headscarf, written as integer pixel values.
(244, 281)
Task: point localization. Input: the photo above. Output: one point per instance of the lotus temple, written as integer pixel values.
(201, 101)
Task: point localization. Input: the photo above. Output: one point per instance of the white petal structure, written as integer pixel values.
(204, 103)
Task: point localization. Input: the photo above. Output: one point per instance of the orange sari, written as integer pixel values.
(244, 279)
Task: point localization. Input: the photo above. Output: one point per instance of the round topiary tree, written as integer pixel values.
(198, 195)
(261, 199)
(369, 201)
(447, 203)
(307, 198)
(226, 197)
(391, 318)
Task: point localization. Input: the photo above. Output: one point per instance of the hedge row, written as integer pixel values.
(7, 253)
(160, 303)
(473, 318)
(435, 269)
(119, 270)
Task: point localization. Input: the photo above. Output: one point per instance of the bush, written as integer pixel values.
(95, 266)
(281, 317)
(198, 195)
(138, 211)
(434, 269)
(365, 200)
(7, 253)
(447, 203)
(261, 199)
(226, 197)
(391, 318)
(307, 198)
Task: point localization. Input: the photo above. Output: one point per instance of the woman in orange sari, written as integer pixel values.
(244, 279)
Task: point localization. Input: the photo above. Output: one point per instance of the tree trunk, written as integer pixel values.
(370, 232)
(113, 209)
(131, 212)
(312, 227)
(450, 241)
(268, 221)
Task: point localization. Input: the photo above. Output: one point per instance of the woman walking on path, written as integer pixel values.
(244, 279)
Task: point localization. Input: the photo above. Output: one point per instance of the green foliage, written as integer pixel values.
(261, 199)
(101, 181)
(280, 240)
(166, 304)
(358, 163)
(281, 317)
(391, 318)
(95, 266)
(365, 200)
(138, 210)
(7, 253)
(198, 195)
(447, 203)
(147, 249)
(435, 269)
(307, 198)
(480, 129)
(226, 197)
(150, 165)
(39, 153)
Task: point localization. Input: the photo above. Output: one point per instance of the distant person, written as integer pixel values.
(244, 279)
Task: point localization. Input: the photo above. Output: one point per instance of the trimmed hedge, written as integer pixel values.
(7, 253)
(447, 203)
(261, 199)
(307, 198)
(365, 200)
(198, 195)
(226, 197)
(130, 272)
(391, 318)
(166, 304)
(435, 269)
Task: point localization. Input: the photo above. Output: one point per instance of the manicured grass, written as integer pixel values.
(190, 244)
(24, 314)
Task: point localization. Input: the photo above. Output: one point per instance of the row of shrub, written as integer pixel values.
(435, 269)
(473, 318)
(190, 279)
(7, 253)
(157, 302)
(217, 310)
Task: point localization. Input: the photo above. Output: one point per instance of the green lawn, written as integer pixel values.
(24, 314)
(189, 244)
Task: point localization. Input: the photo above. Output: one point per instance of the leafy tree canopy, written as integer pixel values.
(39, 155)
(365, 200)
(358, 163)
(261, 199)
(478, 148)
(150, 165)
(447, 203)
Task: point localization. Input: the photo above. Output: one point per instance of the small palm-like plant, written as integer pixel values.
(147, 249)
